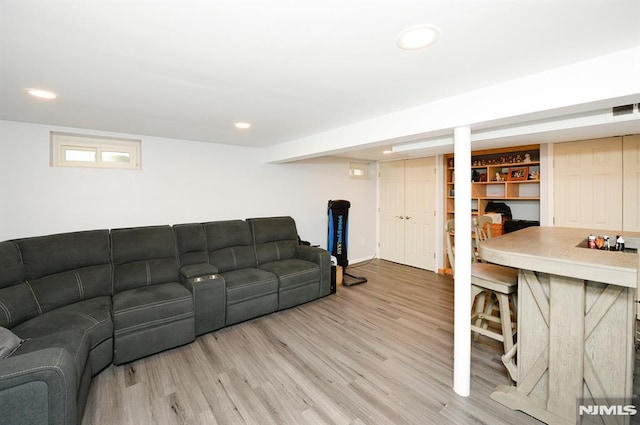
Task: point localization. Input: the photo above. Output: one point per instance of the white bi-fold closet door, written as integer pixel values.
(588, 184)
(407, 212)
(597, 184)
(631, 183)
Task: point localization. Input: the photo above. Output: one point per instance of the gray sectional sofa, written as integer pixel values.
(80, 301)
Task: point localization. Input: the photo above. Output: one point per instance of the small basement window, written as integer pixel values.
(359, 170)
(79, 150)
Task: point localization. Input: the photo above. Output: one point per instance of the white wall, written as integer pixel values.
(180, 181)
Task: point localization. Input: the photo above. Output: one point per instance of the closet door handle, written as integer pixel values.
(407, 217)
(400, 217)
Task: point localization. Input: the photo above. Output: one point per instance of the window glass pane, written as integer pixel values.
(80, 150)
(79, 155)
(121, 157)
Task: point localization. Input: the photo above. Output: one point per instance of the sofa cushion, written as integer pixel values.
(9, 342)
(68, 267)
(143, 256)
(293, 272)
(250, 293)
(230, 245)
(92, 317)
(275, 238)
(233, 258)
(245, 284)
(52, 254)
(192, 244)
(17, 304)
(150, 306)
(299, 281)
(142, 243)
(151, 319)
(11, 265)
(145, 273)
(72, 286)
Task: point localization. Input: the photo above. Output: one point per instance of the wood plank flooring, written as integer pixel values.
(376, 353)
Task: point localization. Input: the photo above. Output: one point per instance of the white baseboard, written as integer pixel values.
(361, 260)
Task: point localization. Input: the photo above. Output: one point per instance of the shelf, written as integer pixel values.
(508, 182)
(520, 193)
(512, 198)
(506, 165)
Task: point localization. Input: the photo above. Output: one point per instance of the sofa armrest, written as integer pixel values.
(197, 270)
(209, 296)
(322, 258)
(39, 388)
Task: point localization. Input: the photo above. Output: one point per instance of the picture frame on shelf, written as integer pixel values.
(518, 173)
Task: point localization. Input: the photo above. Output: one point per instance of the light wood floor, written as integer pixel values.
(376, 353)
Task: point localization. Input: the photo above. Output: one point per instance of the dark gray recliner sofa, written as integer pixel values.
(56, 295)
(83, 300)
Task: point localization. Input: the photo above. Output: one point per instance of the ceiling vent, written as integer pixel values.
(623, 110)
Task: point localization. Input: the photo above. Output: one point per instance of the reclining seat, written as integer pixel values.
(68, 277)
(36, 386)
(152, 310)
(250, 291)
(303, 271)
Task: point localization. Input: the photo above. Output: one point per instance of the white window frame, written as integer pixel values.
(63, 142)
(358, 170)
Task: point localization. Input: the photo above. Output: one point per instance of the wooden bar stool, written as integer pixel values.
(493, 292)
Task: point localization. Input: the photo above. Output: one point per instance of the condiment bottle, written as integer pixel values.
(620, 243)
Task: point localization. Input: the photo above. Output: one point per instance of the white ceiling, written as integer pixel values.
(190, 69)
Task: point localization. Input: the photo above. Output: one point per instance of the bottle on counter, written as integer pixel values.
(619, 243)
(607, 244)
(591, 242)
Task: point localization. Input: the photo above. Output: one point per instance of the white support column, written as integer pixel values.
(462, 273)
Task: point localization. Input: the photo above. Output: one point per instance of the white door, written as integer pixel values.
(588, 184)
(407, 212)
(631, 183)
(392, 211)
(419, 213)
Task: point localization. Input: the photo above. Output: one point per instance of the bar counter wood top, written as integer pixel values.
(555, 250)
(576, 324)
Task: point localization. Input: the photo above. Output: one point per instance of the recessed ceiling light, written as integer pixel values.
(243, 125)
(387, 152)
(42, 94)
(418, 37)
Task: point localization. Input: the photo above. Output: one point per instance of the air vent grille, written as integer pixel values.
(623, 110)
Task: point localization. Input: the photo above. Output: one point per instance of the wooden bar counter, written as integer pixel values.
(576, 323)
